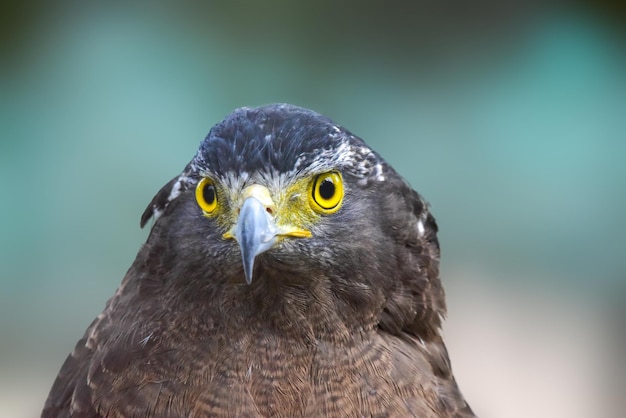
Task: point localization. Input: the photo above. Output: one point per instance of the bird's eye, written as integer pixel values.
(206, 195)
(327, 192)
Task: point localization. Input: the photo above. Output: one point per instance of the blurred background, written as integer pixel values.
(509, 117)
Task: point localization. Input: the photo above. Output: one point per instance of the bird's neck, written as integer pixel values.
(309, 310)
(312, 311)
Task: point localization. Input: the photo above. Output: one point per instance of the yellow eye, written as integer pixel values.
(206, 195)
(327, 192)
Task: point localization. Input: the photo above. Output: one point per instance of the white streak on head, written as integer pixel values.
(176, 190)
(353, 157)
(420, 223)
(156, 213)
(235, 181)
(299, 161)
(181, 184)
(379, 172)
(420, 228)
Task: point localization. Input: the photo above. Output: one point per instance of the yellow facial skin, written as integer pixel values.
(294, 209)
(272, 228)
(258, 220)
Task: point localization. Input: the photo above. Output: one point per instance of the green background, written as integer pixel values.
(509, 118)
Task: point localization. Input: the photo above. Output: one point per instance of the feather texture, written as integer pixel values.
(345, 323)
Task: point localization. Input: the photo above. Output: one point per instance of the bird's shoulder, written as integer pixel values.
(147, 355)
(252, 373)
(170, 371)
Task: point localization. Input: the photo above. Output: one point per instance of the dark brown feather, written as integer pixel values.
(356, 334)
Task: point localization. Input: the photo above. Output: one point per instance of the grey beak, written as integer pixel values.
(255, 233)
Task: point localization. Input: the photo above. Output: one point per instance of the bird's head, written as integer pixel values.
(282, 193)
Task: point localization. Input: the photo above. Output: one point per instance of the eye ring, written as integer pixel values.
(206, 195)
(327, 192)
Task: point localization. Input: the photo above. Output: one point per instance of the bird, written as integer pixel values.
(289, 271)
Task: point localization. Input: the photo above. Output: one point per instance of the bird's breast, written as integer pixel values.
(277, 376)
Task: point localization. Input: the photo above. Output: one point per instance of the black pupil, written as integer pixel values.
(327, 189)
(209, 194)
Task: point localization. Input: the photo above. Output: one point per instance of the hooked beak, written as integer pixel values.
(255, 230)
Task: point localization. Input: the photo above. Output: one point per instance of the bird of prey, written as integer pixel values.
(289, 272)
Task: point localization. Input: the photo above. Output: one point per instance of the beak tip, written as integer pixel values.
(248, 268)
